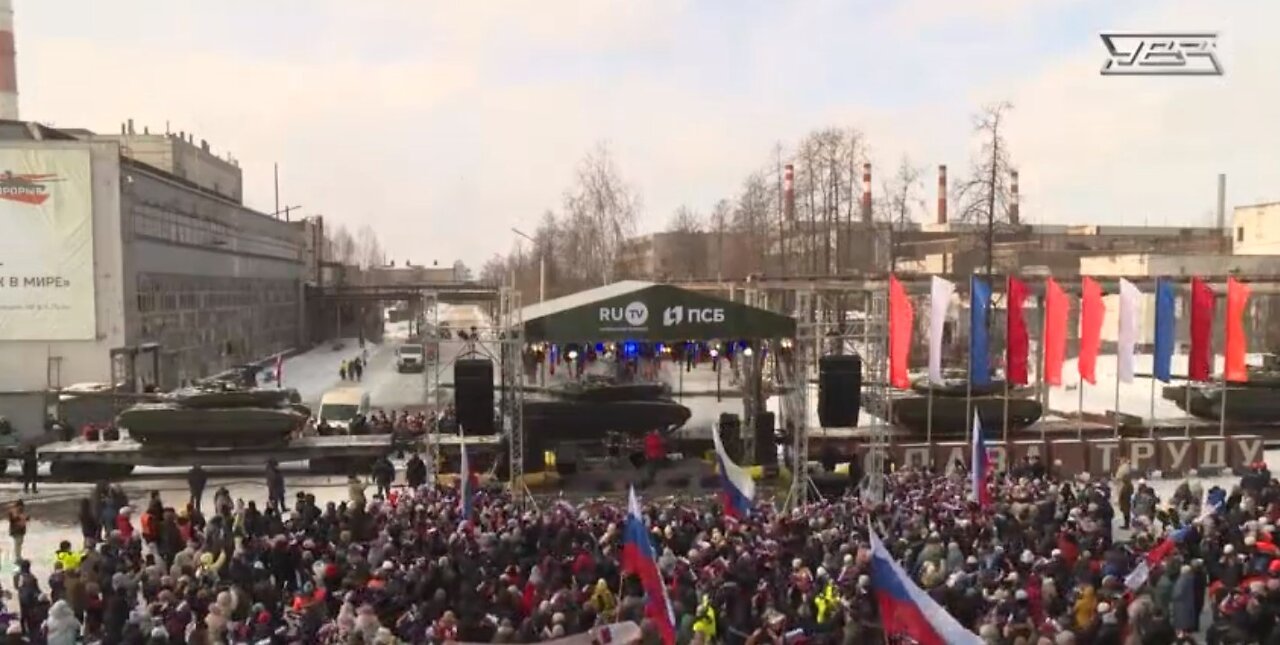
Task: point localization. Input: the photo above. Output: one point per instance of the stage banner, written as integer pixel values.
(46, 245)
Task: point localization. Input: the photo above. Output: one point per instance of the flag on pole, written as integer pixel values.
(1127, 334)
(981, 465)
(901, 318)
(1153, 558)
(1092, 310)
(1056, 306)
(907, 613)
(639, 559)
(979, 301)
(1166, 319)
(279, 370)
(1237, 343)
(940, 292)
(1017, 344)
(1203, 302)
(737, 489)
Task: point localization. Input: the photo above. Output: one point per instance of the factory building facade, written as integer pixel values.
(174, 264)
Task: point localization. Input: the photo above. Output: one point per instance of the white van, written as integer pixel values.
(338, 407)
(409, 358)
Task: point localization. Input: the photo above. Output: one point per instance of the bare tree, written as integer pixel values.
(601, 210)
(984, 197)
(368, 251)
(460, 271)
(342, 246)
(494, 272)
(901, 198)
(721, 213)
(686, 228)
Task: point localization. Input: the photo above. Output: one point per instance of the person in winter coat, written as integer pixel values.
(61, 627)
(1182, 609)
(197, 478)
(275, 485)
(384, 474)
(415, 472)
(355, 488)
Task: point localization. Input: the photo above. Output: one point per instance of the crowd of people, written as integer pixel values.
(1047, 562)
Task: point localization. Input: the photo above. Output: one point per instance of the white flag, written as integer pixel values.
(939, 300)
(1127, 338)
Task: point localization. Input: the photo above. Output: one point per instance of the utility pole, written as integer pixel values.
(275, 167)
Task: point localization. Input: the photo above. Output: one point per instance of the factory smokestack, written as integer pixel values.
(8, 64)
(1014, 215)
(1222, 203)
(866, 193)
(942, 194)
(789, 192)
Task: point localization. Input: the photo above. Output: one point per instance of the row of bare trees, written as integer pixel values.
(361, 249)
(818, 237)
(579, 245)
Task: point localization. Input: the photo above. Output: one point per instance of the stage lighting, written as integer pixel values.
(715, 352)
(573, 354)
(746, 351)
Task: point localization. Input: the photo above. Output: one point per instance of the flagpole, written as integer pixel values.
(968, 375)
(1008, 311)
(1222, 412)
(1151, 421)
(1186, 404)
(1043, 360)
(1080, 410)
(928, 427)
(1115, 414)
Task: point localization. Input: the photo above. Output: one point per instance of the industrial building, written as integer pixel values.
(175, 265)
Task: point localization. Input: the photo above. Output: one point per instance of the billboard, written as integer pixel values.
(46, 245)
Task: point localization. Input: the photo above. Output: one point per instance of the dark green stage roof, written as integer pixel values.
(645, 311)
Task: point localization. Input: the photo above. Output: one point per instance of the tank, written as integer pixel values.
(168, 423)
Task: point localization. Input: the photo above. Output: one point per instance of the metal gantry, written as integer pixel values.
(432, 376)
(796, 403)
(875, 333)
(511, 337)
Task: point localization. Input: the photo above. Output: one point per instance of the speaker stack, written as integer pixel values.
(839, 390)
(766, 445)
(473, 395)
(731, 435)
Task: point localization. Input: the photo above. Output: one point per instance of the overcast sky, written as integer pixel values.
(444, 123)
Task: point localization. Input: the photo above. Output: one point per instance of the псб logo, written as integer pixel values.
(673, 316)
(27, 189)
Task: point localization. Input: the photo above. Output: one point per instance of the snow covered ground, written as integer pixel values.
(1135, 398)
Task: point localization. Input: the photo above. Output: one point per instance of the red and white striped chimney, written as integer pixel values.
(789, 192)
(942, 193)
(8, 64)
(866, 193)
(1014, 215)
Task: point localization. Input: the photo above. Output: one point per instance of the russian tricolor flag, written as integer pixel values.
(907, 613)
(980, 470)
(638, 558)
(737, 489)
(1154, 557)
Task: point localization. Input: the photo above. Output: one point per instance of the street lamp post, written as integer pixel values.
(542, 265)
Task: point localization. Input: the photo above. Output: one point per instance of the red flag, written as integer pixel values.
(1092, 310)
(280, 370)
(1202, 305)
(1237, 302)
(1056, 305)
(1016, 341)
(901, 317)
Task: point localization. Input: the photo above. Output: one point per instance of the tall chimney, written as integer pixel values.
(1222, 203)
(942, 193)
(789, 192)
(1014, 215)
(8, 64)
(866, 193)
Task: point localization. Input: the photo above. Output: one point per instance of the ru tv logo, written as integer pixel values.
(1161, 54)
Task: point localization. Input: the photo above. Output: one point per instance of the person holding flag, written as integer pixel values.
(980, 470)
(737, 488)
(639, 559)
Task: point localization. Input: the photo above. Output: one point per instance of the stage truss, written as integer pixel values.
(511, 337)
(827, 322)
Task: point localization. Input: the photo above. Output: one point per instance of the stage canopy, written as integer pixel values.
(645, 311)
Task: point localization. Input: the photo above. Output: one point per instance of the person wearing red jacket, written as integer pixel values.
(654, 454)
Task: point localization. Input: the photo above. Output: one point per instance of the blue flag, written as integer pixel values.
(1165, 331)
(979, 362)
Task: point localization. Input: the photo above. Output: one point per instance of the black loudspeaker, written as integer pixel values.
(839, 391)
(473, 395)
(766, 441)
(731, 434)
